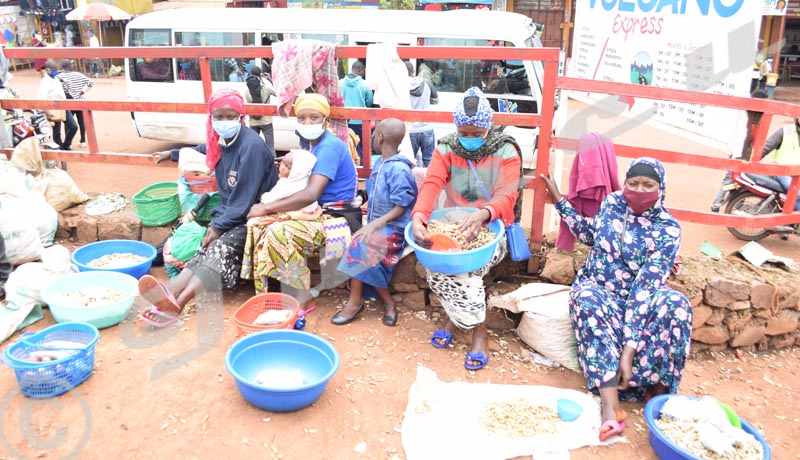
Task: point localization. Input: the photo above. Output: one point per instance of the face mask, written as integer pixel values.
(471, 143)
(640, 202)
(186, 65)
(226, 128)
(310, 132)
(53, 73)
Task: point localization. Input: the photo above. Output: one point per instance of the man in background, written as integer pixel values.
(259, 90)
(423, 140)
(356, 94)
(76, 85)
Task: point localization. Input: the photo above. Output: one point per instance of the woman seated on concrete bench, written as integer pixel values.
(280, 249)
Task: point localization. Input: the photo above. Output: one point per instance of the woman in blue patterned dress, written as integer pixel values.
(632, 330)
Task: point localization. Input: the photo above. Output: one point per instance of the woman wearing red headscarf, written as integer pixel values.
(244, 168)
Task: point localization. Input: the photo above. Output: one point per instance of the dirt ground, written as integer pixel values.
(166, 393)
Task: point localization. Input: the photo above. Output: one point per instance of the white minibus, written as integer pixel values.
(177, 80)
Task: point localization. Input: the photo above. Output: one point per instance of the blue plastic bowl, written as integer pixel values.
(666, 449)
(100, 316)
(456, 263)
(85, 254)
(285, 350)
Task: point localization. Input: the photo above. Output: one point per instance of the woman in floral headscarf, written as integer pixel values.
(244, 168)
(497, 161)
(632, 330)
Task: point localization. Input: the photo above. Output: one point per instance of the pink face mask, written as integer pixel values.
(640, 202)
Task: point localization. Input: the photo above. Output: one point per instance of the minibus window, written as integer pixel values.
(150, 69)
(457, 75)
(229, 69)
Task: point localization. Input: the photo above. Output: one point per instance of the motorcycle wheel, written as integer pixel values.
(747, 204)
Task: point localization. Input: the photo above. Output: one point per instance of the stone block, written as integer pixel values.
(720, 292)
(435, 302)
(696, 300)
(72, 216)
(739, 305)
(155, 235)
(405, 287)
(711, 335)
(680, 288)
(750, 335)
(788, 299)
(559, 268)
(699, 347)
(414, 300)
(499, 320)
(762, 314)
(86, 230)
(780, 341)
(404, 270)
(700, 315)
(736, 321)
(717, 315)
(63, 232)
(761, 295)
(118, 227)
(784, 322)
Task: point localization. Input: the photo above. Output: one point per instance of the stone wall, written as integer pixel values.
(734, 305)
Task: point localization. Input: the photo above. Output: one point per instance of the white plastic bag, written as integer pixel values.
(192, 161)
(61, 191)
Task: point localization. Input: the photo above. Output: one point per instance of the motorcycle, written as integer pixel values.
(30, 123)
(753, 195)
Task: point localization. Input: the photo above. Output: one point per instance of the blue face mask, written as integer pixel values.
(471, 143)
(53, 73)
(186, 65)
(226, 128)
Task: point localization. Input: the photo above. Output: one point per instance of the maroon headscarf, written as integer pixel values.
(225, 98)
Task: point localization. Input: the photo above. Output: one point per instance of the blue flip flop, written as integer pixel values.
(475, 356)
(441, 334)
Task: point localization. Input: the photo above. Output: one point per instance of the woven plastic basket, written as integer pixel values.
(199, 183)
(52, 378)
(157, 204)
(205, 213)
(246, 314)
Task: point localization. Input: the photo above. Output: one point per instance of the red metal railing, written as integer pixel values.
(550, 80)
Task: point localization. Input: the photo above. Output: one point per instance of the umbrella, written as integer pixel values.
(98, 12)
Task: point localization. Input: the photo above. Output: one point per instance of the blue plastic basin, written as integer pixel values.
(666, 449)
(284, 350)
(456, 263)
(85, 254)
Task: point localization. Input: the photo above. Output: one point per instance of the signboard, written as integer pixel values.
(697, 45)
(775, 7)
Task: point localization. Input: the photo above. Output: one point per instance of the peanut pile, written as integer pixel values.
(684, 433)
(117, 260)
(485, 236)
(92, 296)
(522, 418)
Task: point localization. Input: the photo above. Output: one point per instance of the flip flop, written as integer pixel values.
(611, 428)
(157, 293)
(158, 318)
(441, 334)
(475, 356)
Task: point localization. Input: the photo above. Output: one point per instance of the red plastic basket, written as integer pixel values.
(246, 314)
(200, 183)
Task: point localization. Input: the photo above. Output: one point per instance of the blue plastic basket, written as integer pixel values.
(456, 263)
(666, 449)
(85, 254)
(48, 379)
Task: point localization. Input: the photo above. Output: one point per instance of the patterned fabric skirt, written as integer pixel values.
(598, 317)
(279, 250)
(464, 296)
(219, 264)
(372, 262)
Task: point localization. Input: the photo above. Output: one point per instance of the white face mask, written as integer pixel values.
(310, 132)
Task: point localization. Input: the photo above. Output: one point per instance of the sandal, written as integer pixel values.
(158, 318)
(611, 428)
(157, 293)
(441, 334)
(475, 356)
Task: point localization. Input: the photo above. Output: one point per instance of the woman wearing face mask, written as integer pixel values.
(244, 168)
(496, 159)
(632, 330)
(283, 246)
